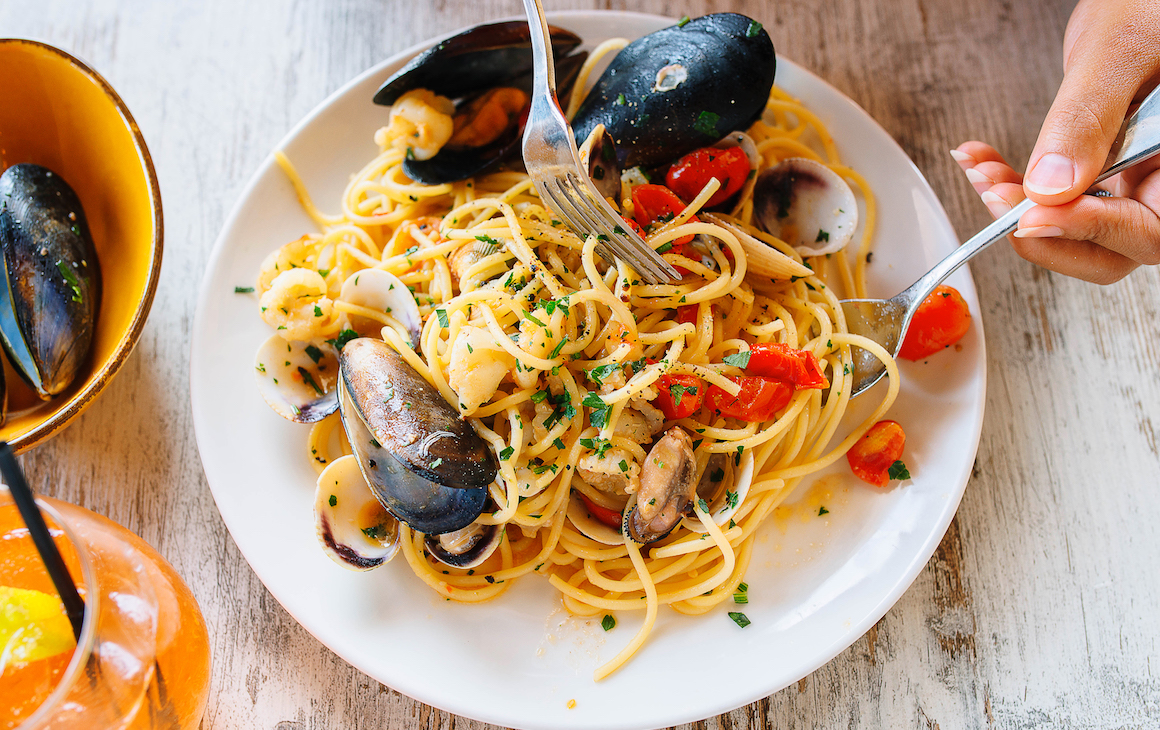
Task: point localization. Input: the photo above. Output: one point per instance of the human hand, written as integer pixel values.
(1111, 60)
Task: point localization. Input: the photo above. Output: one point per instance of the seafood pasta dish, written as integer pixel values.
(490, 397)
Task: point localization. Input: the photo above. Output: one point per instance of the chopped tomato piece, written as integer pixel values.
(657, 204)
(782, 362)
(689, 175)
(758, 400)
(610, 517)
(679, 396)
(635, 226)
(687, 314)
(872, 455)
(941, 320)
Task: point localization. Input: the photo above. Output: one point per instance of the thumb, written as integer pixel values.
(1107, 60)
(1078, 132)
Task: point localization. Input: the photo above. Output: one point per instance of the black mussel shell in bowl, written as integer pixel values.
(52, 280)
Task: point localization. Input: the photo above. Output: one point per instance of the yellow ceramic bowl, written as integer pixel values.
(59, 113)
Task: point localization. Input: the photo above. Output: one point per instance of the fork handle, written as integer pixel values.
(1139, 139)
(543, 84)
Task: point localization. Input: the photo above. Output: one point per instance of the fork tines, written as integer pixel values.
(585, 210)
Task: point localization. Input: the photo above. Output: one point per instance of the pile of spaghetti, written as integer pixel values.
(570, 367)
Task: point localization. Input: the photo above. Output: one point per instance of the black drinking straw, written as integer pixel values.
(74, 606)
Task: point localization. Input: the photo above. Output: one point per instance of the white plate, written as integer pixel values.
(816, 584)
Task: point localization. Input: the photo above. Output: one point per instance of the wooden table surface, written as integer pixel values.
(1039, 609)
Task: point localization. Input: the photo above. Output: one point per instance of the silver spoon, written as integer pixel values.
(885, 320)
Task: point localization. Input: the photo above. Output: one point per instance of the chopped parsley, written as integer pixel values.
(898, 470)
(608, 623)
(664, 247)
(823, 511)
(620, 100)
(71, 279)
(444, 322)
(677, 391)
(598, 374)
(309, 380)
(539, 396)
(738, 359)
(753, 29)
(243, 290)
(343, 337)
(314, 353)
(507, 453)
(599, 445)
(822, 236)
(333, 500)
(683, 21)
(623, 465)
(739, 618)
(707, 123)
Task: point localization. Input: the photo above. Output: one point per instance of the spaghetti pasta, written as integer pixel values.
(559, 360)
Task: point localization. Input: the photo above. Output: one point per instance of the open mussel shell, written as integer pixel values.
(298, 379)
(426, 465)
(52, 281)
(466, 548)
(476, 59)
(667, 486)
(807, 205)
(354, 529)
(463, 67)
(681, 88)
(382, 291)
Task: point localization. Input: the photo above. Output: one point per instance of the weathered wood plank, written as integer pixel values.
(1039, 608)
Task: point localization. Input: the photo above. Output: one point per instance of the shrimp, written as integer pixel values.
(297, 306)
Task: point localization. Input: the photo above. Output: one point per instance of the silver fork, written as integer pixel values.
(564, 186)
(886, 320)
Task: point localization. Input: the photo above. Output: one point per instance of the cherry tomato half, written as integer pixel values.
(610, 517)
(872, 455)
(782, 362)
(689, 175)
(941, 320)
(758, 400)
(657, 204)
(679, 396)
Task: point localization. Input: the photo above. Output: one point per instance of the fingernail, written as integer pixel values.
(1051, 175)
(974, 176)
(994, 203)
(1039, 232)
(961, 156)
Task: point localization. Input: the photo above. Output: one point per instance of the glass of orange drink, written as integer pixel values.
(142, 658)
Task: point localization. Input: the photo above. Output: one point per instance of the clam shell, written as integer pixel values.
(298, 379)
(354, 529)
(807, 205)
(761, 259)
(382, 291)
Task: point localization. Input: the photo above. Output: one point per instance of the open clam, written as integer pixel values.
(681, 88)
(298, 379)
(354, 529)
(425, 464)
(807, 205)
(52, 282)
(724, 486)
(382, 291)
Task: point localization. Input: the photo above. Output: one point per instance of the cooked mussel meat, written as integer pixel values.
(468, 96)
(681, 88)
(425, 464)
(52, 281)
(668, 483)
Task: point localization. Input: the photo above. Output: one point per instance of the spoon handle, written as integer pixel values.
(1139, 139)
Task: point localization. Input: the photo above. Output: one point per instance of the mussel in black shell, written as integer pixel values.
(425, 464)
(466, 68)
(681, 88)
(52, 281)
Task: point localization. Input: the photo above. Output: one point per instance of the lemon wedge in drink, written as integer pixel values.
(33, 626)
